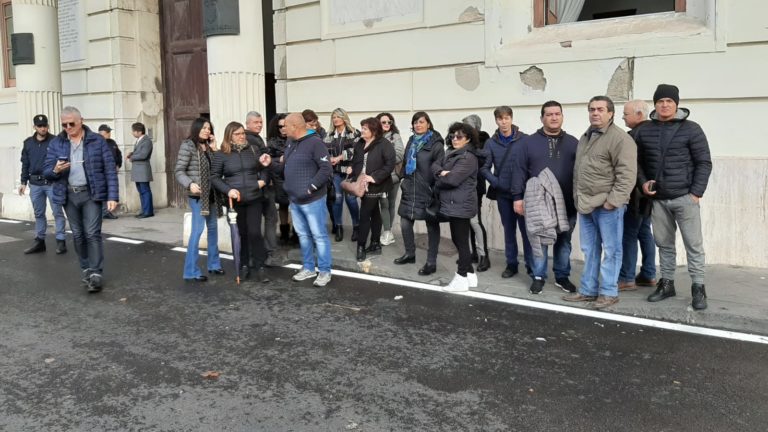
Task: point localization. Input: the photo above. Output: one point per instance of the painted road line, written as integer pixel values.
(645, 322)
(124, 240)
(204, 253)
(10, 221)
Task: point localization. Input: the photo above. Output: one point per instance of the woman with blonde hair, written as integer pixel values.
(341, 142)
(237, 172)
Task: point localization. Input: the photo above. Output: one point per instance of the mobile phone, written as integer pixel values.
(652, 187)
(63, 158)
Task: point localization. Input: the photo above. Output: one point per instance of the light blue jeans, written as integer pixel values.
(309, 223)
(191, 270)
(601, 233)
(38, 195)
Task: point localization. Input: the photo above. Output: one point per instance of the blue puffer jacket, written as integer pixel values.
(499, 172)
(102, 181)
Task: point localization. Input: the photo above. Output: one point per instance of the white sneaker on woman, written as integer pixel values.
(387, 238)
(472, 279)
(458, 284)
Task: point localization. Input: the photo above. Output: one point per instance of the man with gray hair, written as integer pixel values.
(254, 124)
(82, 169)
(637, 219)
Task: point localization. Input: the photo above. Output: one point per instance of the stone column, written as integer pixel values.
(38, 86)
(236, 70)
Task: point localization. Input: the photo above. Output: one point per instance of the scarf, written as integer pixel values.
(205, 182)
(418, 143)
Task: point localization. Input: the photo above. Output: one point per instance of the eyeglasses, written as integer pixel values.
(69, 124)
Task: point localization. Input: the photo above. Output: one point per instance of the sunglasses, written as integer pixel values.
(457, 137)
(387, 122)
(70, 124)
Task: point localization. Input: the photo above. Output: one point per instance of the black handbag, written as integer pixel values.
(331, 192)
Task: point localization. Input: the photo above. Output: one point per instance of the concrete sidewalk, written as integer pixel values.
(738, 296)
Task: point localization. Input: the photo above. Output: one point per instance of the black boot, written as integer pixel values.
(334, 228)
(475, 258)
(354, 233)
(61, 247)
(37, 246)
(664, 289)
(285, 230)
(485, 264)
(339, 233)
(360, 253)
(245, 272)
(374, 248)
(699, 294)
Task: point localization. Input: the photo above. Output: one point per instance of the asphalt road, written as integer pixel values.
(347, 357)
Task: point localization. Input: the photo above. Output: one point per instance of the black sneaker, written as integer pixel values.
(509, 272)
(565, 285)
(536, 286)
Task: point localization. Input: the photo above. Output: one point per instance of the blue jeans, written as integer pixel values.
(145, 194)
(191, 270)
(511, 221)
(637, 228)
(600, 235)
(561, 255)
(338, 205)
(84, 216)
(309, 223)
(38, 195)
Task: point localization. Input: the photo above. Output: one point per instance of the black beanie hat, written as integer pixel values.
(667, 91)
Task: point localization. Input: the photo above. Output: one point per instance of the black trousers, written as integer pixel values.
(370, 220)
(460, 229)
(249, 216)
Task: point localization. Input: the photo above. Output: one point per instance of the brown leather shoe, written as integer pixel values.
(641, 281)
(577, 297)
(605, 301)
(627, 286)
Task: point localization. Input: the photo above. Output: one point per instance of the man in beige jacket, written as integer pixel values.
(605, 173)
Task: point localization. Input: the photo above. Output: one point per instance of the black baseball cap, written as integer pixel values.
(105, 128)
(40, 120)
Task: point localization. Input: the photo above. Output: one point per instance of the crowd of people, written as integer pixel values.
(615, 185)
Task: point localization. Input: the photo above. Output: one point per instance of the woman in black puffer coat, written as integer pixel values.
(424, 148)
(237, 172)
(373, 163)
(456, 184)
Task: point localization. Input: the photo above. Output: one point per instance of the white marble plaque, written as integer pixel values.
(71, 31)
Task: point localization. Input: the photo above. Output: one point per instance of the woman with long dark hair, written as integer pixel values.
(237, 172)
(193, 172)
(456, 185)
(276, 141)
(424, 147)
(340, 142)
(373, 163)
(388, 201)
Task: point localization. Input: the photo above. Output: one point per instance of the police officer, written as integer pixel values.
(32, 159)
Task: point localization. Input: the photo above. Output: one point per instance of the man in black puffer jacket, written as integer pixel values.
(674, 168)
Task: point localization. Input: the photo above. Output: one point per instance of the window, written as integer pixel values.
(547, 12)
(9, 70)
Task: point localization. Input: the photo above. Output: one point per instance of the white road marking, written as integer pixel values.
(125, 240)
(204, 253)
(646, 322)
(10, 221)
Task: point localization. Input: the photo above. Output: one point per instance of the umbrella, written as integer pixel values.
(232, 216)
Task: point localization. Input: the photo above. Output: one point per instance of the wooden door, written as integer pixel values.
(185, 73)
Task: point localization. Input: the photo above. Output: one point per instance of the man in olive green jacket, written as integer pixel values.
(604, 174)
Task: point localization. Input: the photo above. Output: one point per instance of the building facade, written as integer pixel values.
(123, 61)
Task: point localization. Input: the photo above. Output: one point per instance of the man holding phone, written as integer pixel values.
(81, 167)
(674, 169)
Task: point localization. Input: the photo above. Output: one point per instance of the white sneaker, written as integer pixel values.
(472, 279)
(387, 238)
(304, 274)
(458, 284)
(322, 279)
